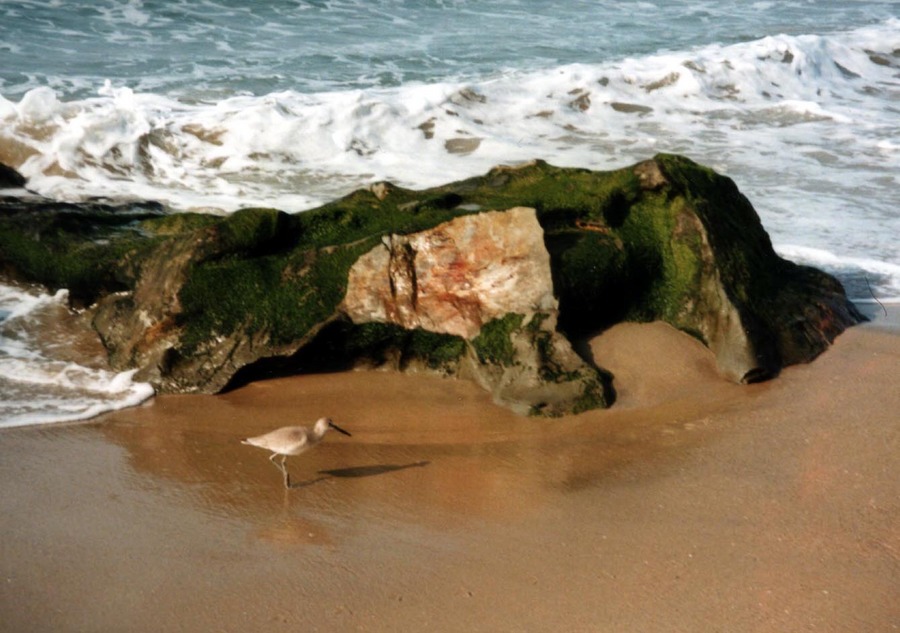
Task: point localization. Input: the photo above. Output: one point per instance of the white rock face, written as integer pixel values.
(456, 277)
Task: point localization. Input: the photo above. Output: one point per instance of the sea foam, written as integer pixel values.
(39, 380)
(746, 100)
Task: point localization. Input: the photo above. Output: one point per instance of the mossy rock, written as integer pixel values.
(85, 248)
(494, 343)
(193, 299)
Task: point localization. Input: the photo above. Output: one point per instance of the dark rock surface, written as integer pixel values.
(10, 178)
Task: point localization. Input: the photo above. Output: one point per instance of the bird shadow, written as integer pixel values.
(370, 471)
(358, 471)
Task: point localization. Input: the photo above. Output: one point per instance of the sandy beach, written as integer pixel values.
(692, 505)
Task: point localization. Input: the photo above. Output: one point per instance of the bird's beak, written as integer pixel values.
(339, 429)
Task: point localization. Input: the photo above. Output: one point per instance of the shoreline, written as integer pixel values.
(692, 504)
(882, 316)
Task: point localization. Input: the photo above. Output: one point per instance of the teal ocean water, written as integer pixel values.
(215, 105)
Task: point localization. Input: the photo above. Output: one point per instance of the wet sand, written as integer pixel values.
(692, 505)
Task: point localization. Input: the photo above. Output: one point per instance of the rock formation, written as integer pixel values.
(10, 178)
(487, 278)
(455, 277)
(471, 276)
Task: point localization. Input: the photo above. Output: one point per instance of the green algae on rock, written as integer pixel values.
(487, 278)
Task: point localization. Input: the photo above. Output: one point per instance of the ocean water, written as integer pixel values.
(214, 105)
(51, 369)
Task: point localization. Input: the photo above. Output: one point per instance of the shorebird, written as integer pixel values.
(292, 440)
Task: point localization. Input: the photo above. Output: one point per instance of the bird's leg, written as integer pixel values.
(277, 465)
(282, 468)
(284, 471)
